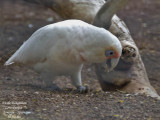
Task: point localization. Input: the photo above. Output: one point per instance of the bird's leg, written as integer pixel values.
(76, 80)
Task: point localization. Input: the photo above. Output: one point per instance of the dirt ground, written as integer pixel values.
(20, 98)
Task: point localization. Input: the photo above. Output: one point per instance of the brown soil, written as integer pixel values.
(18, 20)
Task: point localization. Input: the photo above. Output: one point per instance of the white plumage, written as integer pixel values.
(63, 47)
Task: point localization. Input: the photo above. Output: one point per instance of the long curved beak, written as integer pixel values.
(111, 64)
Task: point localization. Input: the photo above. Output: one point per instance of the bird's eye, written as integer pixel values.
(109, 53)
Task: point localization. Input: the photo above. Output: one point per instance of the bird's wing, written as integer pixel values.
(50, 41)
(35, 48)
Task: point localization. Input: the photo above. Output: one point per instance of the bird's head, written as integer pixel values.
(112, 57)
(105, 48)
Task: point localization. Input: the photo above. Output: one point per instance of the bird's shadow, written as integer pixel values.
(42, 89)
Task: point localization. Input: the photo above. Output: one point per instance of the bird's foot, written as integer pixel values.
(83, 89)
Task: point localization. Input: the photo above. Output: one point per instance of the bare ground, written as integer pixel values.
(18, 20)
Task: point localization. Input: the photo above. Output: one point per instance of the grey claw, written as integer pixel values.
(83, 89)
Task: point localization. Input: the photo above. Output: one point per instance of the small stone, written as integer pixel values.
(50, 19)
(28, 112)
(89, 70)
(30, 25)
(10, 38)
(36, 92)
(127, 95)
(144, 24)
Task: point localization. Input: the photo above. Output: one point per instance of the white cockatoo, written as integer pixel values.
(62, 48)
(85, 10)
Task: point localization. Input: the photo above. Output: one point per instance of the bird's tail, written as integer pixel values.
(9, 61)
(13, 58)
